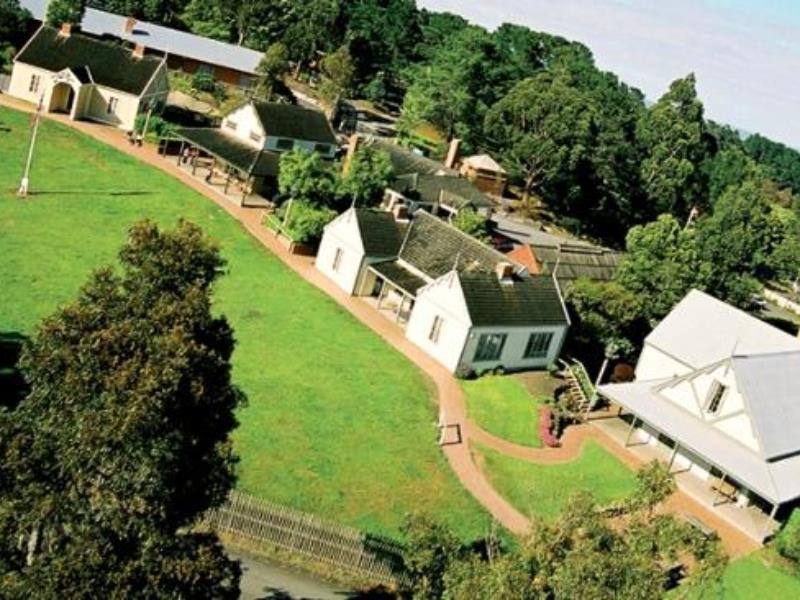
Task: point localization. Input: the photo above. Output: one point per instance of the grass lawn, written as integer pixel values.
(338, 423)
(755, 576)
(542, 491)
(502, 406)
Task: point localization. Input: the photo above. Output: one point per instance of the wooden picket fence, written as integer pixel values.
(258, 522)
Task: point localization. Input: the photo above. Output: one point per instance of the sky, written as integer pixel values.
(745, 53)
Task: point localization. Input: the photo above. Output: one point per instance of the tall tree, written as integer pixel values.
(381, 36)
(123, 441)
(314, 27)
(738, 240)
(12, 28)
(782, 162)
(545, 128)
(274, 65)
(65, 11)
(303, 176)
(673, 135)
(254, 23)
(663, 262)
(337, 74)
(367, 176)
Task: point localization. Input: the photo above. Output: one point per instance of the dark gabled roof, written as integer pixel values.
(110, 65)
(574, 262)
(404, 161)
(379, 232)
(435, 247)
(295, 122)
(532, 300)
(429, 179)
(398, 275)
(259, 163)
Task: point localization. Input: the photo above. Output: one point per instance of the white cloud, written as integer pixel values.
(747, 60)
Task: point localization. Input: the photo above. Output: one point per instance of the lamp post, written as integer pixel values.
(24, 185)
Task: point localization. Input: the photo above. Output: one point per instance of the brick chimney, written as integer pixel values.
(138, 51)
(452, 153)
(128, 25)
(352, 146)
(66, 30)
(504, 271)
(400, 212)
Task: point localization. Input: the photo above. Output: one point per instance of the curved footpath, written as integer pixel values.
(450, 395)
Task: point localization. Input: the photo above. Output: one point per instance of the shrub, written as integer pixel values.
(203, 81)
(306, 222)
(157, 126)
(787, 542)
(546, 427)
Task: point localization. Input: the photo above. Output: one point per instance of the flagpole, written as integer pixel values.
(23, 186)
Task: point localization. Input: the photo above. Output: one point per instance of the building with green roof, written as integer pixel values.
(459, 300)
(88, 78)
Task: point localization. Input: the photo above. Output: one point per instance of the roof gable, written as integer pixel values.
(294, 122)
(725, 331)
(484, 162)
(110, 65)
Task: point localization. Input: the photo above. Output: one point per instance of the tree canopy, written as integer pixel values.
(122, 442)
(65, 11)
(367, 175)
(579, 555)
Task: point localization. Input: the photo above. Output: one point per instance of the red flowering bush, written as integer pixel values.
(546, 427)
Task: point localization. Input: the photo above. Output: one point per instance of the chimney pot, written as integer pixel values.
(452, 153)
(352, 146)
(504, 271)
(66, 30)
(129, 24)
(138, 51)
(400, 212)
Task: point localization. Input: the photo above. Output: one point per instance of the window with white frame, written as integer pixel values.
(716, 393)
(337, 259)
(33, 86)
(231, 124)
(255, 136)
(436, 329)
(111, 107)
(538, 345)
(490, 346)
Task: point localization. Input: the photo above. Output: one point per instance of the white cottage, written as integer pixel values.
(458, 299)
(87, 78)
(245, 149)
(719, 391)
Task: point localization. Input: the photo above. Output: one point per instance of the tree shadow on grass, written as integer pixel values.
(12, 385)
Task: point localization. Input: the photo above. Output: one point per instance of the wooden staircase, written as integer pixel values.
(580, 389)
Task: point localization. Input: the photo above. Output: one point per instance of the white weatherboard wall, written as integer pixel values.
(443, 298)
(342, 233)
(21, 81)
(511, 358)
(243, 122)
